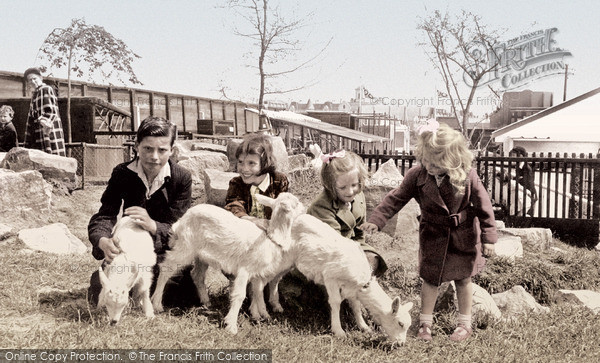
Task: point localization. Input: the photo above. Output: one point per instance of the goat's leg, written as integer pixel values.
(144, 291)
(236, 296)
(258, 308)
(356, 310)
(335, 300)
(173, 263)
(199, 275)
(274, 293)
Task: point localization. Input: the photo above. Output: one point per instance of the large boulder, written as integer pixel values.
(517, 301)
(509, 247)
(540, 238)
(280, 154)
(197, 161)
(216, 184)
(24, 192)
(182, 148)
(5, 231)
(483, 305)
(54, 238)
(232, 146)
(589, 299)
(58, 170)
(387, 178)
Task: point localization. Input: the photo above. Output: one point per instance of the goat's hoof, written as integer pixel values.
(231, 328)
(158, 308)
(277, 308)
(150, 316)
(340, 333)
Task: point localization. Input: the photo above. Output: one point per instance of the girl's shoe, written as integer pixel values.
(425, 333)
(461, 333)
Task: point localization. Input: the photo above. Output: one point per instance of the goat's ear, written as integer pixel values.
(264, 200)
(395, 305)
(103, 278)
(133, 279)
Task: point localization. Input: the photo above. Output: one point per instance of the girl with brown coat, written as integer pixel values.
(457, 227)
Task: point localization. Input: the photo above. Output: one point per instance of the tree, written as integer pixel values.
(460, 49)
(275, 39)
(90, 49)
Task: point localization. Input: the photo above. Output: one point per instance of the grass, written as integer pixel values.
(43, 306)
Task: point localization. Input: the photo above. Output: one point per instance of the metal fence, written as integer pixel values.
(560, 192)
(95, 162)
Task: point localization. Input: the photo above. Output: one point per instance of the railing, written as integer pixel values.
(552, 191)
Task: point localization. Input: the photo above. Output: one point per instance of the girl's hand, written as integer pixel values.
(488, 249)
(368, 227)
(141, 218)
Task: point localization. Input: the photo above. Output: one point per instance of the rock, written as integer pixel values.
(597, 248)
(509, 247)
(589, 299)
(500, 225)
(24, 191)
(232, 145)
(387, 178)
(205, 146)
(197, 161)
(54, 238)
(517, 301)
(483, 304)
(536, 237)
(216, 183)
(280, 154)
(5, 231)
(58, 170)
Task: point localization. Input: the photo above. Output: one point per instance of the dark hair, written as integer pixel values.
(156, 126)
(258, 144)
(32, 70)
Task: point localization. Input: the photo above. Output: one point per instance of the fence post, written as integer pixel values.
(596, 190)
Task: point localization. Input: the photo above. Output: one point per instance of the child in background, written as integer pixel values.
(342, 205)
(8, 133)
(256, 166)
(456, 217)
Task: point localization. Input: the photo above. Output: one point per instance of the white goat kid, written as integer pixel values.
(209, 235)
(131, 269)
(327, 258)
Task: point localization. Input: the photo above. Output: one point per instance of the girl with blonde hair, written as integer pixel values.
(457, 229)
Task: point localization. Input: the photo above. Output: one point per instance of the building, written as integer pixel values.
(570, 127)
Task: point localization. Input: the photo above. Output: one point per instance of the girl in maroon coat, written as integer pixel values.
(457, 227)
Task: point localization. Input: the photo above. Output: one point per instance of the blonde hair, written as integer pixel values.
(337, 166)
(447, 149)
(7, 109)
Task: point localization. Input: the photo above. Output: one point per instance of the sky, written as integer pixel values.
(189, 47)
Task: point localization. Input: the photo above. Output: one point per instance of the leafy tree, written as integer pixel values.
(90, 49)
(461, 49)
(275, 38)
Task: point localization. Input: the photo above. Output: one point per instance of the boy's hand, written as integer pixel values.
(368, 227)
(110, 249)
(488, 249)
(141, 218)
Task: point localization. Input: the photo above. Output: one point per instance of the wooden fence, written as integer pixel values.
(560, 192)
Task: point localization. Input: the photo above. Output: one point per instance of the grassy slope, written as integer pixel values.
(34, 318)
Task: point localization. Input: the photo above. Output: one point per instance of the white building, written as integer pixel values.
(569, 127)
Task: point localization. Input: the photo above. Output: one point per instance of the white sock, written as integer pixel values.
(464, 320)
(426, 319)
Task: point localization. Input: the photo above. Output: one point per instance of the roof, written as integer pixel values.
(574, 113)
(310, 122)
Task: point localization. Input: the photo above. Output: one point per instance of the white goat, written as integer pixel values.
(131, 269)
(209, 235)
(327, 258)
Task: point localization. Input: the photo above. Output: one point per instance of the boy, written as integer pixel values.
(8, 133)
(154, 191)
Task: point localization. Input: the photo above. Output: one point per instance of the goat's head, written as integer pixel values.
(395, 319)
(286, 207)
(115, 291)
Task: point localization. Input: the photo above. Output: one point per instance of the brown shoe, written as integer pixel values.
(461, 333)
(425, 333)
